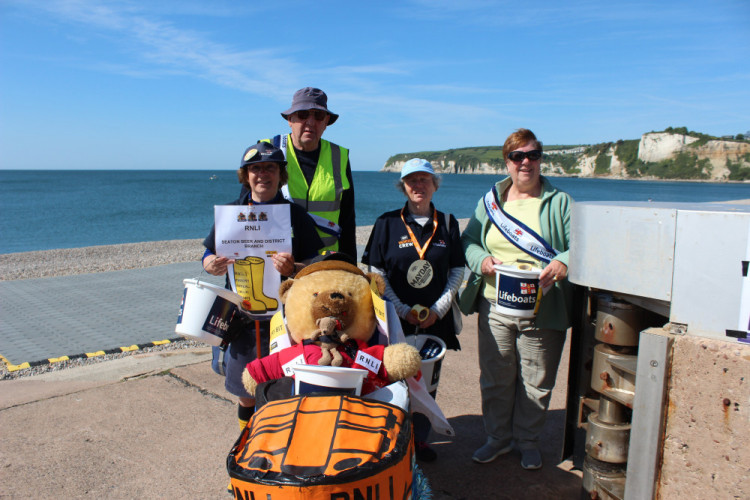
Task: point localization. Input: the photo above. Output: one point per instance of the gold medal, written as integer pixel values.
(419, 274)
(420, 271)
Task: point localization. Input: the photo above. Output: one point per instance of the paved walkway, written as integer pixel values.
(46, 319)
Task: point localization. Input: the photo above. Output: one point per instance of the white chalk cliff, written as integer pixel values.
(653, 147)
(658, 146)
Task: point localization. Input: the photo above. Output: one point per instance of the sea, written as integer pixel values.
(50, 209)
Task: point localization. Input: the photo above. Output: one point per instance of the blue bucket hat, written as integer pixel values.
(310, 98)
(263, 152)
(417, 165)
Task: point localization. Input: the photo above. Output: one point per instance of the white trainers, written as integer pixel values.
(490, 451)
(531, 459)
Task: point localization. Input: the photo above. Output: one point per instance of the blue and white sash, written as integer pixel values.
(519, 234)
(325, 225)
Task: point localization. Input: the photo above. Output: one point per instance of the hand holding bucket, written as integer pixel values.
(529, 266)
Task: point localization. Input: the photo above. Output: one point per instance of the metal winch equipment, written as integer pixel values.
(613, 369)
(646, 272)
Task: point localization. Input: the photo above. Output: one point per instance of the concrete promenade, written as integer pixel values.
(66, 316)
(160, 425)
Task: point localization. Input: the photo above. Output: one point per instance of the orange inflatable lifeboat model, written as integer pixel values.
(321, 446)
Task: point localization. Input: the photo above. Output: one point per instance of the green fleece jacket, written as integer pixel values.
(554, 217)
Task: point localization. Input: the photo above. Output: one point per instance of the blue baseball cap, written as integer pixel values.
(417, 165)
(261, 153)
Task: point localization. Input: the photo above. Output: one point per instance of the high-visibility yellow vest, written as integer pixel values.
(321, 199)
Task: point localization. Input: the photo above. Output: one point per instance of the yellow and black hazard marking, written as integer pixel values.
(135, 347)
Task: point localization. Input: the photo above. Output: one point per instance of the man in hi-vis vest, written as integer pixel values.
(320, 175)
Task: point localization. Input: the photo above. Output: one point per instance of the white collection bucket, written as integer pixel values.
(432, 350)
(314, 378)
(518, 291)
(206, 311)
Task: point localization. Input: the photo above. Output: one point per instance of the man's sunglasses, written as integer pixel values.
(518, 156)
(317, 114)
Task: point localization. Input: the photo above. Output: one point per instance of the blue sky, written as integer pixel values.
(131, 84)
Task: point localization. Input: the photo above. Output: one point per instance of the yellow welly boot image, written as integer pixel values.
(258, 265)
(243, 280)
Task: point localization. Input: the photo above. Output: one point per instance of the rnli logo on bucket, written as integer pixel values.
(219, 317)
(515, 293)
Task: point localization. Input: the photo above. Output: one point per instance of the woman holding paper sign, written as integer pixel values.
(263, 172)
(418, 251)
(522, 222)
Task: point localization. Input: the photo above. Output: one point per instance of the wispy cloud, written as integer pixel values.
(151, 47)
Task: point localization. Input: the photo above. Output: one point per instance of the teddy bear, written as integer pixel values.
(329, 336)
(330, 318)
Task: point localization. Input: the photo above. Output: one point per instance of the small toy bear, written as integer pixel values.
(330, 336)
(330, 317)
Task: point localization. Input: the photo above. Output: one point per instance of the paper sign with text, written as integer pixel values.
(250, 235)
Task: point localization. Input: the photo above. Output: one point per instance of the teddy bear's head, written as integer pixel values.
(330, 288)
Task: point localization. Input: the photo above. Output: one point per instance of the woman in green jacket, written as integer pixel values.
(518, 356)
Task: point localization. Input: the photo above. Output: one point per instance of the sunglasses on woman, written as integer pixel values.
(518, 156)
(269, 168)
(317, 114)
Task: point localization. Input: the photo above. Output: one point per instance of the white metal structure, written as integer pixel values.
(687, 262)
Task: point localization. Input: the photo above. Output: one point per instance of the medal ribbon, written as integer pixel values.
(421, 250)
(518, 233)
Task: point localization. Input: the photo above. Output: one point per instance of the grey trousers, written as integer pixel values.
(518, 366)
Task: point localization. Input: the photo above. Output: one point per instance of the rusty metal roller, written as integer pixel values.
(613, 372)
(607, 442)
(617, 323)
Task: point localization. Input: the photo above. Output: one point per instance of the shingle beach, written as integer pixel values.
(69, 261)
